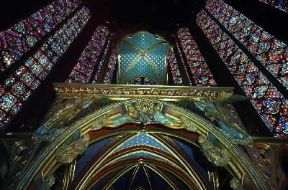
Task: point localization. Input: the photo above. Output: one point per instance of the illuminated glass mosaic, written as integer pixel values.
(21, 37)
(174, 69)
(268, 50)
(83, 70)
(201, 74)
(279, 4)
(143, 55)
(183, 62)
(20, 85)
(109, 76)
(266, 99)
(142, 81)
(100, 68)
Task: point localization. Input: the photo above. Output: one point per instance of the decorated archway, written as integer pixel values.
(219, 145)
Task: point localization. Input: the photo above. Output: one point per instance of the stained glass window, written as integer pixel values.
(201, 74)
(100, 68)
(174, 69)
(279, 4)
(82, 72)
(18, 87)
(21, 37)
(268, 50)
(266, 99)
(183, 62)
(142, 81)
(111, 67)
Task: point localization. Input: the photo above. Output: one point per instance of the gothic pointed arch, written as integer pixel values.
(219, 146)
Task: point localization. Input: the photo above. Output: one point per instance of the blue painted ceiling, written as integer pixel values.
(143, 55)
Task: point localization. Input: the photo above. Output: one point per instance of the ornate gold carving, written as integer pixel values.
(62, 115)
(171, 93)
(189, 125)
(48, 180)
(67, 153)
(218, 156)
(215, 153)
(236, 184)
(151, 111)
(263, 155)
(228, 125)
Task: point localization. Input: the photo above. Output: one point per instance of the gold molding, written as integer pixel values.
(161, 92)
(239, 165)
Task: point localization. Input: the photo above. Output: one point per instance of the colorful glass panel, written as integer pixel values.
(82, 72)
(279, 4)
(266, 99)
(142, 81)
(101, 66)
(201, 74)
(21, 37)
(183, 62)
(174, 69)
(272, 53)
(111, 67)
(21, 84)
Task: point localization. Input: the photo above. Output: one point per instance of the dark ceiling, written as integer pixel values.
(155, 13)
(151, 13)
(13, 11)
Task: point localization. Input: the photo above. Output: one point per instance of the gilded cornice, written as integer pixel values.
(160, 92)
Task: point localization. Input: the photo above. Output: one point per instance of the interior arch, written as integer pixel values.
(239, 166)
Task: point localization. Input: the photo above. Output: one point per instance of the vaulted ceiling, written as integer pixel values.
(139, 159)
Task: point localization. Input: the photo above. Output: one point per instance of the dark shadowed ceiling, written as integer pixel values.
(155, 13)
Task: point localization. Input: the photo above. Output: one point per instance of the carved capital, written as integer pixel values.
(236, 184)
(67, 153)
(219, 157)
